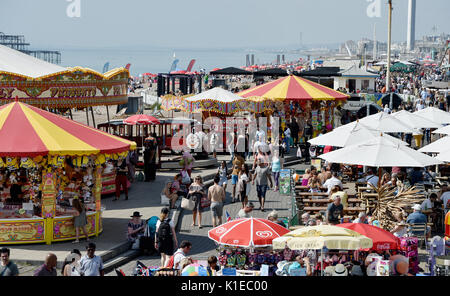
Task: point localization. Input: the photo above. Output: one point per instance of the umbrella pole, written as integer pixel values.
(321, 262)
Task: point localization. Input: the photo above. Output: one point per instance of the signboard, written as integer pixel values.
(285, 182)
(315, 122)
(98, 188)
(22, 231)
(63, 228)
(48, 196)
(317, 163)
(229, 272)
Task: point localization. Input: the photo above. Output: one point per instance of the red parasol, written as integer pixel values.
(247, 232)
(382, 239)
(141, 119)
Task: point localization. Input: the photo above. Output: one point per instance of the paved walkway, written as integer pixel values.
(203, 247)
(143, 197)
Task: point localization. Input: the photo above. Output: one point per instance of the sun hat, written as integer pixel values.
(328, 271)
(340, 270)
(417, 207)
(136, 214)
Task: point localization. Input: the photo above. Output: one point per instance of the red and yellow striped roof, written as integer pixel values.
(293, 88)
(28, 131)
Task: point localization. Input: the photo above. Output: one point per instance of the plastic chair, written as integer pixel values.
(419, 231)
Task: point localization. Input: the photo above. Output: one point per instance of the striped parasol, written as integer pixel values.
(28, 131)
(293, 88)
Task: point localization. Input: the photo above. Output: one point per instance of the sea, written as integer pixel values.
(159, 60)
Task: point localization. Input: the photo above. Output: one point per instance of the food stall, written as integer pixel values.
(45, 162)
(246, 244)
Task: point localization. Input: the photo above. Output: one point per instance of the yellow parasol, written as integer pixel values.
(322, 236)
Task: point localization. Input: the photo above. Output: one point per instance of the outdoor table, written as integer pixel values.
(312, 194)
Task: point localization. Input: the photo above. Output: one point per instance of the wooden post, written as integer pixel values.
(87, 115)
(93, 119)
(107, 115)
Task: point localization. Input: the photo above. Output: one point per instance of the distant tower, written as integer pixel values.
(374, 43)
(411, 25)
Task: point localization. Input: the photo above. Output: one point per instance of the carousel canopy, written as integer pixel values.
(230, 71)
(14, 61)
(271, 72)
(215, 100)
(293, 88)
(30, 131)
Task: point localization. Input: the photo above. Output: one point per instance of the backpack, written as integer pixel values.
(164, 231)
(170, 264)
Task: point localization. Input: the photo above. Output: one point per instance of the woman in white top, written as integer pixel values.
(400, 229)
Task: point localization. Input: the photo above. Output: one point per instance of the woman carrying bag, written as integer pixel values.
(196, 193)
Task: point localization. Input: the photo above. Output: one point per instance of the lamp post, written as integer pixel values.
(388, 70)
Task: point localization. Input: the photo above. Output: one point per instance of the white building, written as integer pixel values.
(355, 78)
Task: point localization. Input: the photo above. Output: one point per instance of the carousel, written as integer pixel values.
(294, 96)
(47, 161)
(50, 86)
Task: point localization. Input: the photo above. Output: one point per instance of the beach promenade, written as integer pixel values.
(145, 198)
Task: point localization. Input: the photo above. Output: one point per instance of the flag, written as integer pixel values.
(228, 216)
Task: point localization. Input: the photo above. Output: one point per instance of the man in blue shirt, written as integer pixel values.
(417, 217)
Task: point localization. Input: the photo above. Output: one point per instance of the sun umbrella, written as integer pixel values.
(437, 146)
(380, 152)
(444, 156)
(322, 236)
(194, 270)
(141, 119)
(29, 131)
(382, 240)
(354, 135)
(415, 120)
(434, 114)
(247, 233)
(443, 130)
(293, 88)
(387, 123)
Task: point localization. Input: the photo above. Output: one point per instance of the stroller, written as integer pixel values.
(437, 248)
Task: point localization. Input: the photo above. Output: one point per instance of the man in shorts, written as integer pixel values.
(263, 177)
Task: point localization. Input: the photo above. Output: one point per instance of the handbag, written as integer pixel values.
(187, 204)
(164, 200)
(205, 202)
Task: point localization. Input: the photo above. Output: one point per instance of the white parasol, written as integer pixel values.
(380, 152)
(343, 137)
(443, 130)
(434, 114)
(387, 123)
(415, 120)
(437, 146)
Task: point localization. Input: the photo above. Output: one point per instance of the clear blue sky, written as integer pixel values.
(211, 23)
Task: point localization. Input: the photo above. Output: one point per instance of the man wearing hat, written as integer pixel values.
(91, 264)
(417, 217)
(340, 270)
(136, 227)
